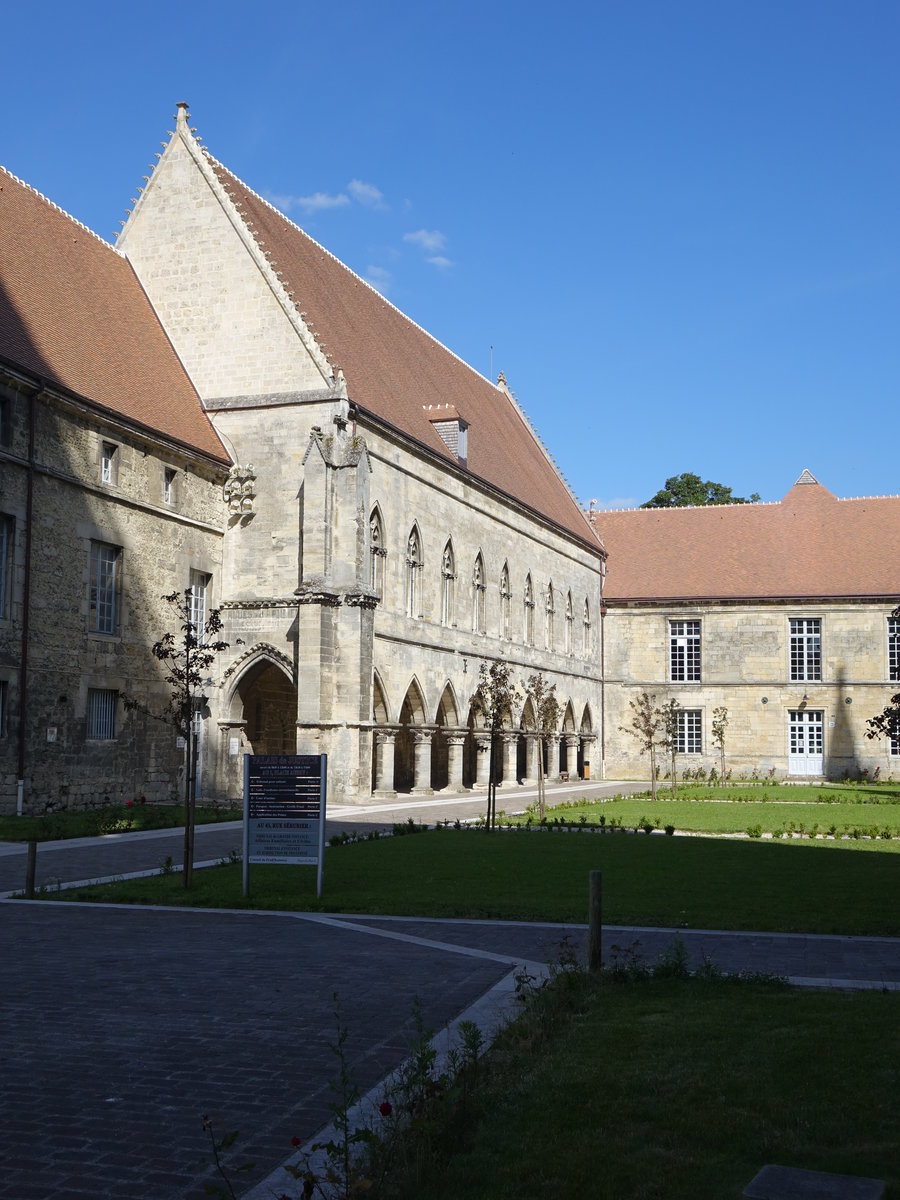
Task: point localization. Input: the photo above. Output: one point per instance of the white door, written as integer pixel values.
(806, 754)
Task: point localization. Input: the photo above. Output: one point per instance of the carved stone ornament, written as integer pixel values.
(239, 489)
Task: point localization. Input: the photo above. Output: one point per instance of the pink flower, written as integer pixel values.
(295, 1141)
(129, 804)
(385, 1108)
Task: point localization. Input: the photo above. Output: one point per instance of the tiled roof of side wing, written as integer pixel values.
(810, 544)
(395, 369)
(73, 312)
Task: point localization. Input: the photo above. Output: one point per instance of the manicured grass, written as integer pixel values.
(666, 1089)
(116, 818)
(871, 811)
(818, 887)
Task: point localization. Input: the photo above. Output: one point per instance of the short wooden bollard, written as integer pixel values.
(30, 865)
(595, 913)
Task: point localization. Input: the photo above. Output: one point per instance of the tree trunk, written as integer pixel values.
(487, 823)
(190, 804)
(542, 796)
(652, 772)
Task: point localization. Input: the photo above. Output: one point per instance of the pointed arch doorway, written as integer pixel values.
(265, 700)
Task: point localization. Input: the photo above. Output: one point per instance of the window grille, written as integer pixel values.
(684, 651)
(894, 648)
(101, 714)
(689, 731)
(806, 648)
(199, 586)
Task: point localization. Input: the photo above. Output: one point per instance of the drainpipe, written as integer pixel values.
(26, 600)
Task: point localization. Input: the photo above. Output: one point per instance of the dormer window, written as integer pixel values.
(452, 430)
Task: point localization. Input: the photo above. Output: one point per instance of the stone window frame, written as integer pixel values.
(479, 595)
(805, 649)
(6, 409)
(200, 588)
(170, 486)
(377, 551)
(549, 611)
(505, 603)
(109, 462)
(7, 563)
(586, 641)
(689, 731)
(448, 584)
(528, 611)
(4, 707)
(685, 650)
(105, 609)
(893, 637)
(570, 618)
(101, 721)
(414, 563)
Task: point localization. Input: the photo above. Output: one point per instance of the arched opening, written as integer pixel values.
(587, 727)
(377, 552)
(445, 717)
(568, 726)
(380, 715)
(267, 700)
(412, 712)
(528, 720)
(470, 766)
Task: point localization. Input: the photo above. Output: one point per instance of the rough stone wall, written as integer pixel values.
(160, 544)
(745, 657)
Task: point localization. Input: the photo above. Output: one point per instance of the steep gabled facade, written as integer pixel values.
(780, 613)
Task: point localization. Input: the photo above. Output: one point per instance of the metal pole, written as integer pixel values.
(246, 854)
(594, 920)
(321, 868)
(30, 864)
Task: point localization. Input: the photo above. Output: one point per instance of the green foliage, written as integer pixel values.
(686, 489)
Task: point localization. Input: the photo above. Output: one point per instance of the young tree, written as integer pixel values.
(669, 744)
(646, 724)
(494, 698)
(187, 657)
(546, 713)
(689, 489)
(887, 722)
(719, 725)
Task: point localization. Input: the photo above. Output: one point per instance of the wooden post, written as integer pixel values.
(30, 864)
(594, 920)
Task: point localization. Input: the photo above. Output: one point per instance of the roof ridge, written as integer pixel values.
(349, 270)
(675, 508)
(877, 496)
(51, 204)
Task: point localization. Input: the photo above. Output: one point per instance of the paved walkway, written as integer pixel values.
(121, 1027)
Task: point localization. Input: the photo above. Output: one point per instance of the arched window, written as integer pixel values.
(377, 552)
(586, 629)
(570, 617)
(549, 609)
(478, 590)
(528, 612)
(448, 579)
(505, 596)
(413, 572)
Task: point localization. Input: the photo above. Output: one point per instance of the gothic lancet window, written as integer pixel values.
(413, 572)
(377, 552)
(586, 629)
(505, 596)
(448, 579)
(478, 590)
(528, 612)
(570, 617)
(549, 610)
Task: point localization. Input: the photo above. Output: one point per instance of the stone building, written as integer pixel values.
(779, 612)
(235, 410)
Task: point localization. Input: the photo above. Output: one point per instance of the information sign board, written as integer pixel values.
(284, 810)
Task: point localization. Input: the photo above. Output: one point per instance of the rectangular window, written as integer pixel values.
(106, 572)
(108, 462)
(7, 545)
(806, 648)
(3, 706)
(101, 714)
(689, 733)
(895, 741)
(684, 651)
(199, 592)
(169, 485)
(894, 648)
(5, 422)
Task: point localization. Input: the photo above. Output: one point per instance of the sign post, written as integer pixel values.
(284, 811)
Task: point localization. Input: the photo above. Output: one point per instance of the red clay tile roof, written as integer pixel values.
(73, 312)
(395, 370)
(810, 544)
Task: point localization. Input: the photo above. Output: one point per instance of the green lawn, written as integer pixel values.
(666, 1089)
(818, 887)
(872, 811)
(115, 818)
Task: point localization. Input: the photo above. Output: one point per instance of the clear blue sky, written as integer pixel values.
(675, 221)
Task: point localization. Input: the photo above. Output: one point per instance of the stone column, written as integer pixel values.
(532, 745)
(573, 741)
(509, 743)
(552, 742)
(384, 762)
(482, 760)
(421, 761)
(455, 743)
